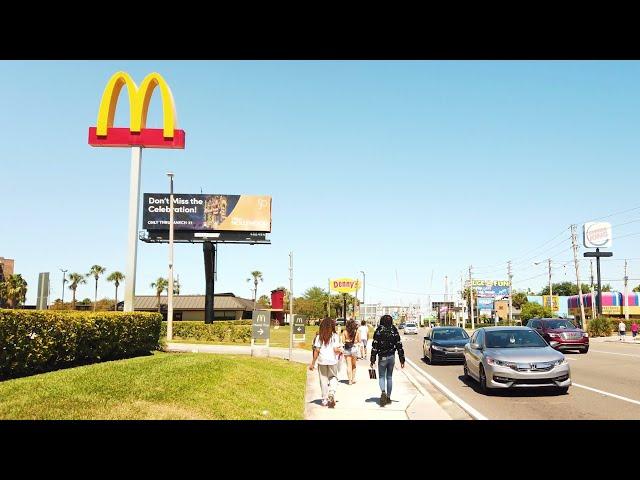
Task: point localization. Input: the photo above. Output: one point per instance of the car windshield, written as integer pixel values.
(558, 324)
(450, 334)
(513, 339)
(410, 325)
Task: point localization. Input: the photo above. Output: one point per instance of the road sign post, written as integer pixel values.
(299, 323)
(260, 323)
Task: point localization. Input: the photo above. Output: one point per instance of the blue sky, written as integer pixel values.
(399, 169)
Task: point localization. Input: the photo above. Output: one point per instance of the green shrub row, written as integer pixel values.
(36, 341)
(213, 332)
(603, 327)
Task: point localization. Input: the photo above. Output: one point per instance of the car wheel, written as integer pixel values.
(466, 371)
(431, 360)
(483, 382)
(563, 390)
(585, 350)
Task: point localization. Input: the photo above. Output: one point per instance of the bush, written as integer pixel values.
(601, 327)
(534, 310)
(36, 341)
(214, 332)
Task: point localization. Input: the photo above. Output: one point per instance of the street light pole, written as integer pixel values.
(291, 321)
(64, 280)
(364, 303)
(170, 296)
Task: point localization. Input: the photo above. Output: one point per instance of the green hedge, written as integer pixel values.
(232, 331)
(36, 341)
(601, 327)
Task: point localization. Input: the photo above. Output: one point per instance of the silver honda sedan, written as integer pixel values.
(514, 357)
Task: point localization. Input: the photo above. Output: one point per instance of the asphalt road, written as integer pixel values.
(611, 369)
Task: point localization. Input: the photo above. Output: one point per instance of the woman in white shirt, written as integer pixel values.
(327, 352)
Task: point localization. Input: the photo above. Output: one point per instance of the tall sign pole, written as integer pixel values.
(170, 291)
(137, 137)
(291, 322)
(574, 242)
(593, 297)
(134, 216)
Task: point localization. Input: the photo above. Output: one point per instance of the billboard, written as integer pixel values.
(204, 212)
(344, 285)
(597, 235)
(554, 304)
(491, 288)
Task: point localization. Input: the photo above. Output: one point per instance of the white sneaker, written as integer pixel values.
(325, 403)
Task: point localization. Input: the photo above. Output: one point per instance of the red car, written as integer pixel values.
(561, 333)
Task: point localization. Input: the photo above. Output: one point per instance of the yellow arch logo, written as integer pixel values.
(139, 99)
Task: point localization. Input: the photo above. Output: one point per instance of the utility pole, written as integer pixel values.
(291, 321)
(510, 293)
(626, 293)
(446, 299)
(550, 286)
(574, 242)
(473, 322)
(593, 300)
(364, 304)
(461, 316)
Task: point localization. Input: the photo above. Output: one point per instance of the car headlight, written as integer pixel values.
(554, 335)
(501, 363)
(436, 347)
(560, 362)
(585, 334)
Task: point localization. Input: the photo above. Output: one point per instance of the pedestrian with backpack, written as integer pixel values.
(386, 341)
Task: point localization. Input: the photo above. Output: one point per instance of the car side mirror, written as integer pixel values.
(475, 346)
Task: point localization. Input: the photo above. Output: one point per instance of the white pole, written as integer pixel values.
(134, 212)
(291, 322)
(170, 296)
(574, 241)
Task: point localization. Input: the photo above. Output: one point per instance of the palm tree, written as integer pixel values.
(161, 284)
(75, 279)
(15, 289)
(96, 271)
(116, 278)
(256, 276)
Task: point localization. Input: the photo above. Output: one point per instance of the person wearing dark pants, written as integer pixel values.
(386, 341)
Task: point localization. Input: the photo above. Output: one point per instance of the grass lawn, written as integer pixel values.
(162, 386)
(279, 337)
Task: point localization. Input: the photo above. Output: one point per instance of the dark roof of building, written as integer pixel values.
(223, 301)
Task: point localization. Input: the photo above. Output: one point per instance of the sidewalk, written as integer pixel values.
(615, 338)
(360, 401)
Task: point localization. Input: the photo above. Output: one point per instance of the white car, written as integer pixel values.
(410, 328)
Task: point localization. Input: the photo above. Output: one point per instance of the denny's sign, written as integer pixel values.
(104, 134)
(344, 285)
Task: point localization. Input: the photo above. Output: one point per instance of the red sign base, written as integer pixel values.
(148, 138)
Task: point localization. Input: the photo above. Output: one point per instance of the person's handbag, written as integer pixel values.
(372, 373)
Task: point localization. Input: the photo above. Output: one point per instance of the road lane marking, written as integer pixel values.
(452, 396)
(606, 394)
(615, 353)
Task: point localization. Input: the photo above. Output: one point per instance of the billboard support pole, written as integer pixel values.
(171, 285)
(209, 263)
(134, 212)
(599, 297)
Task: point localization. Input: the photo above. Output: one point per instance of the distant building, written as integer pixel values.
(6, 268)
(226, 306)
